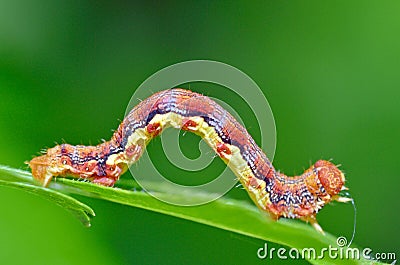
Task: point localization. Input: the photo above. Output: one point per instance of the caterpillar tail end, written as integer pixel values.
(39, 166)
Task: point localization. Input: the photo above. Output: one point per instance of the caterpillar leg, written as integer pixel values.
(105, 181)
(339, 198)
(342, 199)
(313, 221)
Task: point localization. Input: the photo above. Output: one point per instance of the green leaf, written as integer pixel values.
(77, 208)
(228, 214)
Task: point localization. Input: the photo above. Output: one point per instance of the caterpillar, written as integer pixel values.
(298, 197)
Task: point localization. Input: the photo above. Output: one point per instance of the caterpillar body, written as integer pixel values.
(279, 195)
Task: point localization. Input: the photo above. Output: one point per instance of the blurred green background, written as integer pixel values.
(330, 70)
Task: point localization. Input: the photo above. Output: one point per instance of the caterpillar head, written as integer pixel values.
(46, 166)
(331, 178)
(76, 161)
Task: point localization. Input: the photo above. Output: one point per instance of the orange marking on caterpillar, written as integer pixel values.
(223, 150)
(299, 197)
(154, 129)
(253, 182)
(131, 150)
(189, 125)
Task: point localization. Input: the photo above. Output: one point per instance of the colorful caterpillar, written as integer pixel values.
(279, 195)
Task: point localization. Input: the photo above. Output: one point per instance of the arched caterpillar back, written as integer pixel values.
(279, 195)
